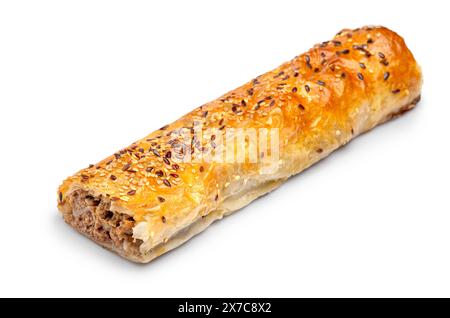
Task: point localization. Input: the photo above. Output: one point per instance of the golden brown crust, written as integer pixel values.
(319, 101)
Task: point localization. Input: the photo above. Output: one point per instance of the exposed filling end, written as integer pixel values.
(91, 215)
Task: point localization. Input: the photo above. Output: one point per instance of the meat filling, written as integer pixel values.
(92, 216)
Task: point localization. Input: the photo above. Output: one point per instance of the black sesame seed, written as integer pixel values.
(167, 183)
(175, 166)
(307, 59)
(294, 90)
(60, 196)
(126, 167)
(301, 106)
(396, 91)
(149, 169)
(84, 177)
(243, 103)
(384, 62)
(346, 51)
(174, 175)
(131, 192)
(217, 197)
(161, 199)
(381, 55)
(362, 65)
(369, 41)
(307, 88)
(321, 83)
(113, 177)
(337, 43)
(159, 173)
(156, 153)
(386, 76)
(296, 74)
(361, 77)
(166, 161)
(163, 219)
(201, 169)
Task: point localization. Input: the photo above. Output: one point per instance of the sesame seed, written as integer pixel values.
(396, 91)
(319, 150)
(384, 62)
(60, 196)
(217, 197)
(131, 192)
(362, 65)
(163, 219)
(149, 169)
(159, 173)
(337, 43)
(201, 169)
(321, 83)
(174, 175)
(166, 161)
(175, 166)
(115, 199)
(301, 106)
(250, 91)
(113, 177)
(126, 167)
(156, 153)
(205, 114)
(294, 90)
(243, 103)
(346, 51)
(167, 183)
(386, 76)
(369, 41)
(84, 177)
(381, 55)
(361, 77)
(161, 199)
(296, 74)
(307, 88)
(272, 103)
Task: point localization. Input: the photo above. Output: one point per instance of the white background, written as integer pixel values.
(81, 79)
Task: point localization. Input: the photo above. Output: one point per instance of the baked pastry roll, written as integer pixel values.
(163, 189)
